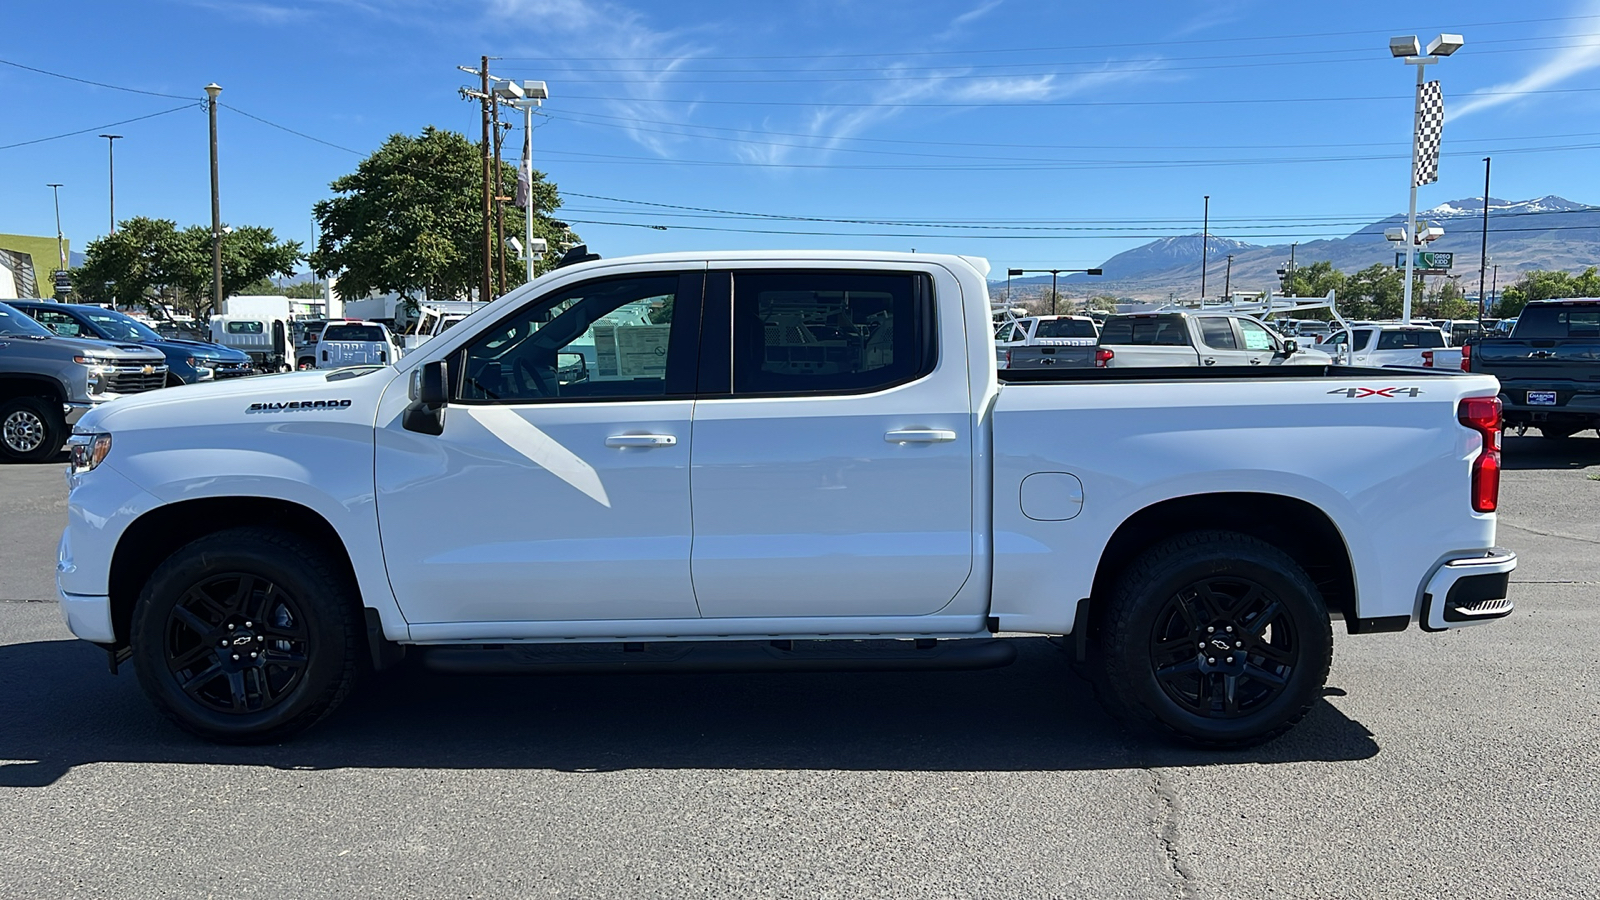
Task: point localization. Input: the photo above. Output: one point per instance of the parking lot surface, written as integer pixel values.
(1461, 764)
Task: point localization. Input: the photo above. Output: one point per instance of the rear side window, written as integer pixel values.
(1426, 338)
(1217, 332)
(1065, 328)
(830, 332)
(362, 333)
(1154, 331)
(1558, 322)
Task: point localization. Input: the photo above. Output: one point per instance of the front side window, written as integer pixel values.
(245, 328)
(604, 339)
(828, 332)
(1217, 333)
(1255, 336)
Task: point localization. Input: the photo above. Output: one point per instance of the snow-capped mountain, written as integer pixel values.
(1547, 232)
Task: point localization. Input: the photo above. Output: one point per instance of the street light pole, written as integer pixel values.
(1410, 49)
(1227, 280)
(1053, 274)
(61, 241)
(1205, 240)
(212, 90)
(111, 169)
(1483, 255)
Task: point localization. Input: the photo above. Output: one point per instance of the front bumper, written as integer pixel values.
(75, 410)
(1469, 591)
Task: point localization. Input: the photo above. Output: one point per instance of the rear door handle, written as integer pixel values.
(920, 436)
(1209, 361)
(641, 440)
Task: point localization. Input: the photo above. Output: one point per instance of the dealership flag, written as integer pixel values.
(525, 173)
(1430, 132)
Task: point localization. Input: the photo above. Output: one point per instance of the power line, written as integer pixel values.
(101, 84)
(1146, 43)
(57, 137)
(289, 130)
(1032, 104)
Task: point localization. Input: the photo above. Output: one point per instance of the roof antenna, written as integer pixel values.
(578, 254)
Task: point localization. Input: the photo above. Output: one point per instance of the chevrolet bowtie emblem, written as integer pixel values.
(149, 370)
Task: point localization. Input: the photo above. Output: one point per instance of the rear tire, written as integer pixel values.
(31, 429)
(246, 636)
(1267, 641)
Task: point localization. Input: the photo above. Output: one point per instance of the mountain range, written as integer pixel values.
(1544, 233)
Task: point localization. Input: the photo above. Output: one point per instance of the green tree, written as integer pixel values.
(409, 220)
(249, 254)
(1545, 285)
(131, 266)
(1316, 280)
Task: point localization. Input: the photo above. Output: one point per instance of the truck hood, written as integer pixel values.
(121, 351)
(201, 350)
(295, 396)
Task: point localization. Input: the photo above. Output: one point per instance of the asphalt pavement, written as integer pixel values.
(1453, 765)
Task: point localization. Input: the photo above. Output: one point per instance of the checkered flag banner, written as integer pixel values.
(1430, 133)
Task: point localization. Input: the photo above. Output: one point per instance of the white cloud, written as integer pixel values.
(1580, 56)
(958, 25)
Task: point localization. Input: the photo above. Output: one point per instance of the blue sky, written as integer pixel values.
(1034, 133)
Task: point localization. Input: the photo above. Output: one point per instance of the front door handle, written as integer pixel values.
(1209, 361)
(1254, 361)
(920, 436)
(641, 440)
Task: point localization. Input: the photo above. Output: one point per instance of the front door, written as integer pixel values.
(833, 475)
(559, 489)
(1257, 342)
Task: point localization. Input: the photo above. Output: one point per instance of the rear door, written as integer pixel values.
(833, 453)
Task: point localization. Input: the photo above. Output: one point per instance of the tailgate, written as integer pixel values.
(1559, 373)
(352, 353)
(1060, 356)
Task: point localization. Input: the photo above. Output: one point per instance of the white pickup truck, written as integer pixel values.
(346, 342)
(1383, 344)
(1177, 338)
(795, 460)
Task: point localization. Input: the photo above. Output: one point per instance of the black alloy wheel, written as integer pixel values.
(237, 643)
(1223, 647)
(1214, 637)
(247, 636)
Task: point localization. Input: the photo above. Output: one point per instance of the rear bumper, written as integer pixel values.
(1469, 591)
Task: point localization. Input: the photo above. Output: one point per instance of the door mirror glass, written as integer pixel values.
(1291, 347)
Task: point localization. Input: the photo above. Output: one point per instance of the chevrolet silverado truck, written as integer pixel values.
(344, 343)
(47, 382)
(775, 460)
(1039, 341)
(1549, 368)
(188, 362)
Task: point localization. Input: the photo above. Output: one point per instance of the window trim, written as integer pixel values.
(682, 343)
(716, 348)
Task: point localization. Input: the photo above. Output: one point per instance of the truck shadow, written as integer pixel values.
(62, 709)
(1534, 452)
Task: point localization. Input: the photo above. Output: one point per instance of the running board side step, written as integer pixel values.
(721, 656)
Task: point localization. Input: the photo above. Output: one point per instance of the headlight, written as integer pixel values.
(88, 451)
(92, 361)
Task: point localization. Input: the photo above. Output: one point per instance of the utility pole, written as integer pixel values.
(61, 240)
(486, 292)
(1205, 240)
(499, 202)
(1483, 256)
(1227, 280)
(111, 163)
(212, 90)
(1494, 286)
(1291, 263)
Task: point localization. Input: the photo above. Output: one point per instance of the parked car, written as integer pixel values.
(188, 362)
(47, 382)
(346, 342)
(1549, 368)
(799, 460)
(1392, 344)
(1170, 338)
(1037, 341)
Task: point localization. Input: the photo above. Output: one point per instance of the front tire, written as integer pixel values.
(1216, 638)
(31, 429)
(246, 636)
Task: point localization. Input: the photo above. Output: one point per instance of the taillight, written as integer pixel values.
(1102, 357)
(1482, 414)
(1008, 359)
(1427, 359)
(1466, 357)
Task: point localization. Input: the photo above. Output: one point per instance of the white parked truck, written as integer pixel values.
(1178, 338)
(776, 460)
(346, 342)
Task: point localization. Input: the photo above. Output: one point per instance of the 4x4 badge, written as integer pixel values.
(1358, 392)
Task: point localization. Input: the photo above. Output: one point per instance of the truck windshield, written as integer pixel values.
(15, 324)
(1558, 322)
(1158, 331)
(120, 327)
(364, 333)
(1065, 328)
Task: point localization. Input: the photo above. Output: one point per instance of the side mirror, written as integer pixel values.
(1291, 347)
(429, 397)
